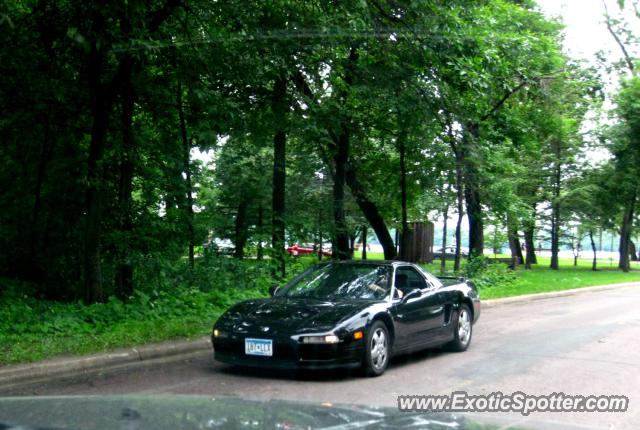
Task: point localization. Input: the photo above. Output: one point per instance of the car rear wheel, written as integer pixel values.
(462, 330)
(377, 349)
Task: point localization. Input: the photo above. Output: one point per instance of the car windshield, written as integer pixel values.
(341, 281)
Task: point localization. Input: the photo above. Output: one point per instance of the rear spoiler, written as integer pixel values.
(457, 278)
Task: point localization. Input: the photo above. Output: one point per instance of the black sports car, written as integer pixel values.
(348, 314)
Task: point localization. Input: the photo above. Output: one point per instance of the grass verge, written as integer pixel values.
(541, 279)
(32, 330)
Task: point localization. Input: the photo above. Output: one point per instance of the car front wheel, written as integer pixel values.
(377, 349)
(462, 330)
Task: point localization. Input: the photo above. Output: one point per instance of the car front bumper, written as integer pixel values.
(288, 354)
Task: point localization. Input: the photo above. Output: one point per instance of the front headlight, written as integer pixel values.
(330, 338)
(219, 333)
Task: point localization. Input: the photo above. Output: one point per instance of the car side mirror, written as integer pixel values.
(412, 295)
(273, 289)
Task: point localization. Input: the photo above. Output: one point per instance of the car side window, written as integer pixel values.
(408, 279)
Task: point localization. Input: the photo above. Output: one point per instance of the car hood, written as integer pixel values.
(205, 412)
(282, 314)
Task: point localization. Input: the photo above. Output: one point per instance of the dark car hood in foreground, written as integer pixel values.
(291, 314)
(199, 412)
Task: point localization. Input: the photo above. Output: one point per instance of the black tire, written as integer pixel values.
(462, 329)
(377, 349)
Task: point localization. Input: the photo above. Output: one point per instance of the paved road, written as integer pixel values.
(583, 344)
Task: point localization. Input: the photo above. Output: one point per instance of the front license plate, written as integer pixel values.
(263, 347)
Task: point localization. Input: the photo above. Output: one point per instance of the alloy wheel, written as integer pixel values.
(379, 350)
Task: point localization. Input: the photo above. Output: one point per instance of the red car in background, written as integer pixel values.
(296, 250)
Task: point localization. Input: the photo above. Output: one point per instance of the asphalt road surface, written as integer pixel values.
(584, 344)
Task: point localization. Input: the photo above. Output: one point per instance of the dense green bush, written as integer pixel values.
(171, 300)
(486, 274)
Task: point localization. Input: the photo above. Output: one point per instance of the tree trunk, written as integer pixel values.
(529, 242)
(101, 99)
(460, 209)
(260, 252)
(404, 236)
(340, 159)
(320, 238)
(93, 218)
(518, 245)
(443, 262)
(364, 242)
(555, 216)
(555, 236)
(352, 243)
(633, 255)
(319, 220)
(513, 244)
(472, 192)
(370, 212)
(124, 275)
(31, 265)
(459, 158)
(625, 233)
(341, 240)
(186, 165)
(279, 107)
(93, 291)
(476, 224)
(593, 248)
(367, 206)
(240, 239)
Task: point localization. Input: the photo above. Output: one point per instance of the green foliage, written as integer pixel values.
(211, 273)
(624, 137)
(475, 266)
(486, 274)
(203, 76)
(173, 302)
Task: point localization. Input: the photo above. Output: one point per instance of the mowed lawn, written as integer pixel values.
(541, 279)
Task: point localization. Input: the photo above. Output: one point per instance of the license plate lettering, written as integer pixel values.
(262, 347)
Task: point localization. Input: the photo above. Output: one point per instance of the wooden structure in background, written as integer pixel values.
(420, 242)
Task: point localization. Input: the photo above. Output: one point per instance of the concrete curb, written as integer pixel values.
(26, 374)
(492, 303)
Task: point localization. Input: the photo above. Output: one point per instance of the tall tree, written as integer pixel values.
(626, 151)
(279, 107)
